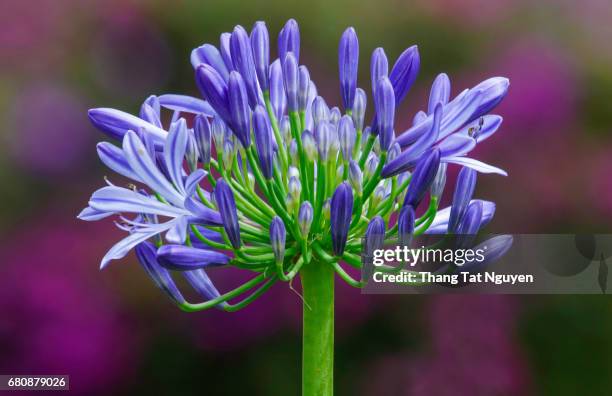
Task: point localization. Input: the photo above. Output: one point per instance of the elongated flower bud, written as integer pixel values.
(278, 99)
(218, 129)
(305, 216)
(202, 131)
(355, 177)
(199, 280)
(371, 165)
(378, 195)
(260, 43)
(464, 189)
(239, 107)
(289, 40)
(440, 92)
(309, 145)
(227, 155)
(404, 72)
(209, 54)
(150, 111)
(285, 129)
(293, 152)
(186, 258)
(324, 138)
(379, 67)
(242, 56)
(263, 141)
(347, 136)
(469, 225)
(147, 257)
(295, 187)
(359, 108)
(303, 87)
(290, 75)
(278, 234)
(493, 90)
(214, 90)
(437, 187)
(192, 152)
(393, 152)
(374, 236)
(224, 49)
(405, 225)
(224, 198)
(348, 61)
(341, 209)
(423, 176)
(334, 116)
(384, 102)
(320, 111)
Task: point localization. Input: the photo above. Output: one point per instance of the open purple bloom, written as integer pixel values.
(341, 210)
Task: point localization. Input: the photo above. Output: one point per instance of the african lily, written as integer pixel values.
(291, 186)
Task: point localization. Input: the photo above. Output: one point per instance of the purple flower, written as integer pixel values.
(203, 138)
(347, 136)
(146, 254)
(239, 109)
(242, 56)
(384, 102)
(305, 216)
(263, 141)
(116, 123)
(324, 137)
(208, 54)
(441, 221)
(404, 72)
(278, 234)
(289, 40)
(423, 176)
(341, 210)
(464, 189)
(224, 48)
(260, 43)
(214, 90)
(359, 108)
(405, 225)
(440, 92)
(290, 74)
(186, 258)
(320, 111)
(469, 225)
(224, 197)
(374, 236)
(348, 62)
(379, 67)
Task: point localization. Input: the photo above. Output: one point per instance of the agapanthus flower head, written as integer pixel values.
(313, 182)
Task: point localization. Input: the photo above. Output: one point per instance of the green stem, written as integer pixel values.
(318, 329)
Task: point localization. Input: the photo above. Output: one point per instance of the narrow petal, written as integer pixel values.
(147, 256)
(185, 258)
(121, 200)
(187, 104)
(91, 214)
(116, 123)
(440, 223)
(475, 164)
(192, 182)
(114, 158)
(174, 153)
(209, 54)
(199, 280)
(123, 247)
(457, 145)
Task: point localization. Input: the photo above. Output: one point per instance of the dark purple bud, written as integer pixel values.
(423, 176)
(289, 40)
(203, 135)
(199, 280)
(440, 92)
(224, 198)
(359, 108)
(341, 209)
(379, 67)
(239, 108)
(384, 103)
(494, 249)
(214, 89)
(263, 141)
(405, 225)
(242, 56)
(209, 55)
(374, 236)
(303, 87)
(469, 225)
(224, 48)
(290, 74)
(347, 136)
(186, 258)
(348, 61)
(404, 72)
(278, 234)
(464, 190)
(146, 254)
(305, 216)
(278, 99)
(260, 43)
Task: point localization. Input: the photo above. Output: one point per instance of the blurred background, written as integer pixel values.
(113, 332)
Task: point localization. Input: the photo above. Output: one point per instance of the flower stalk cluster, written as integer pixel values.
(261, 174)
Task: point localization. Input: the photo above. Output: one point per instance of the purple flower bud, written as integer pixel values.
(359, 108)
(347, 136)
(437, 187)
(405, 225)
(341, 209)
(150, 111)
(309, 145)
(224, 48)
(278, 234)
(348, 61)
(374, 236)
(384, 102)
(305, 216)
(242, 56)
(260, 43)
(334, 116)
(227, 155)
(192, 152)
(303, 87)
(440, 92)
(263, 141)
(203, 133)
(320, 111)
(218, 129)
(278, 99)
(404, 72)
(290, 74)
(394, 151)
(116, 123)
(224, 198)
(379, 67)
(285, 129)
(199, 280)
(214, 90)
(493, 90)
(494, 249)
(370, 165)
(469, 225)
(464, 189)
(423, 176)
(209, 55)
(323, 134)
(355, 177)
(146, 254)
(289, 40)
(295, 187)
(239, 108)
(186, 258)
(293, 152)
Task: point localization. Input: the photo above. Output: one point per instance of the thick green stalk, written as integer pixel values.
(318, 329)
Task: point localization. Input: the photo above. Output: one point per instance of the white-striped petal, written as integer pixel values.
(122, 200)
(174, 153)
(187, 104)
(475, 164)
(440, 223)
(114, 158)
(91, 214)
